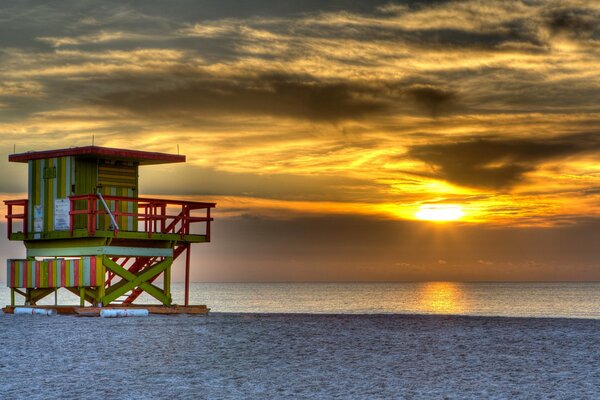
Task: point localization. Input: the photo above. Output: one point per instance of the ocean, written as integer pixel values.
(558, 300)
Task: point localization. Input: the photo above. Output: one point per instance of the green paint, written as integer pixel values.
(82, 233)
(99, 250)
(102, 283)
(77, 292)
(59, 244)
(116, 178)
(85, 173)
(131, 281)
(49, 179)
(167, 283)
(36, 294)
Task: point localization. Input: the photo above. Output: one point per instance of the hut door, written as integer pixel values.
(49, 191)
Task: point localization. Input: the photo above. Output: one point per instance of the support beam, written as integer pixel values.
(37, 294)
(102, 284)
(77, 293)
(91, 294)
(130, 280)
(109, 250)
(167, 283)
(156, 292)
(12, 297)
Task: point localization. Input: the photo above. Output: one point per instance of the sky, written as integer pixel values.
(327, 130)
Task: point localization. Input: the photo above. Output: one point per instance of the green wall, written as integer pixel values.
(57, 178)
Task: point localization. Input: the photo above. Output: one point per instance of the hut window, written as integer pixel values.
(49, 172)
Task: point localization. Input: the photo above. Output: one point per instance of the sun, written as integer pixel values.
(440, 212)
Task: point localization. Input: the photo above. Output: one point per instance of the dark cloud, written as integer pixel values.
(498, 163)
(305, 97)
(456, 38)
(432, 99)
(275, 95)
(577, 22)
(207, 181)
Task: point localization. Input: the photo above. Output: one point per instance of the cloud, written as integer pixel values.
(278, 95)
(498, 163)
(582, 23)
(207, 181)
(98, 37)
(432, 99)
(310, 101)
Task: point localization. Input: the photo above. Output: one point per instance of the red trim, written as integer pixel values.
(93, 271)
(10, 216)
(63, 272)
(143, 157)
(151, 212)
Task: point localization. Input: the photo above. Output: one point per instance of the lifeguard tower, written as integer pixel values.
(86, 229)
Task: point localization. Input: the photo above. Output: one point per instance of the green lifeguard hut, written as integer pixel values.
(86, 229)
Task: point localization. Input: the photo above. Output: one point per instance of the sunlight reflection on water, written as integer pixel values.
(441, 298)
(569, 300)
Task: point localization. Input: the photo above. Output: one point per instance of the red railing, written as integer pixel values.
(154, 214)
(10, 216)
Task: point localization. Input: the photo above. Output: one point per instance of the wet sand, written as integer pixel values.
(299, 356)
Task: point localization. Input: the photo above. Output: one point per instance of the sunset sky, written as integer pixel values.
(325, 129)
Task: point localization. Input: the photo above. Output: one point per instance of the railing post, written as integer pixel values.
(9, 221)
(154, 214)
(150, 219)
(89, 216)
(25, 218)
(145, 216)
(94, 201)
(72, 216)
(208, 224)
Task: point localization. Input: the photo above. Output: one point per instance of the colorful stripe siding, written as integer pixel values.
(78, 272)
(49, 179)
(58, 178)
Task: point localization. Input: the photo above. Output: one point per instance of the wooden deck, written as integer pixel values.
(95, 311)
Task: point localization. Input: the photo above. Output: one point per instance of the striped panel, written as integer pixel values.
(79, 272)
(122, 175)
(125, 223)
(49, 179)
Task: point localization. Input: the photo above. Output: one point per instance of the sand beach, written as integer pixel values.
(228, 355)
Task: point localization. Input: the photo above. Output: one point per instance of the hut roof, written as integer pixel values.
(143, 157)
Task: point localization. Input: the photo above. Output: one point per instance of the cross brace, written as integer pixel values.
(140, 279)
